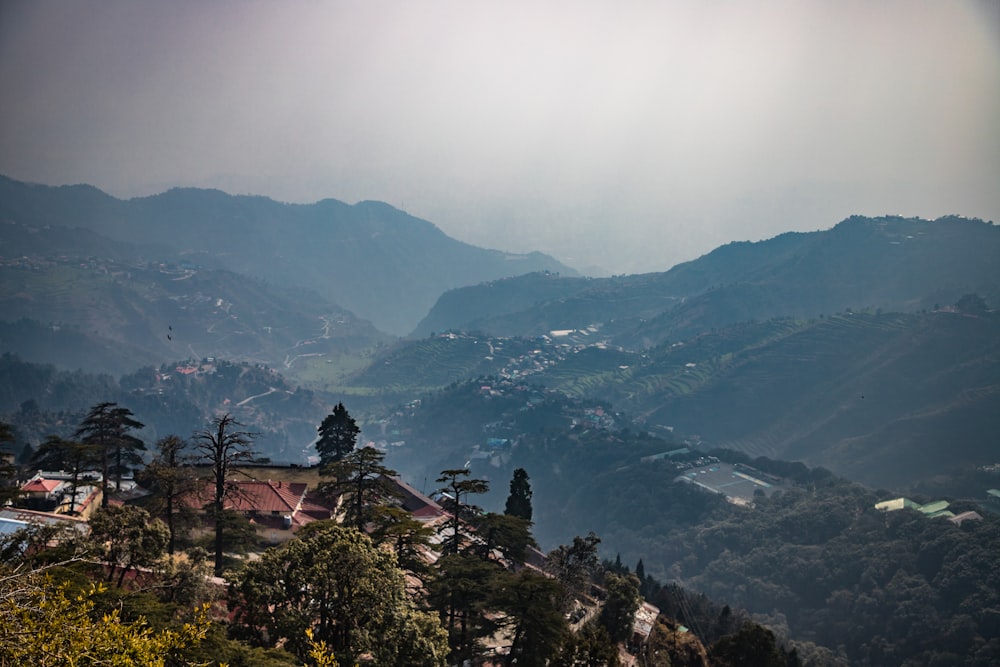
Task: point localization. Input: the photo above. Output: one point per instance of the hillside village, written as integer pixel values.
(277, 504)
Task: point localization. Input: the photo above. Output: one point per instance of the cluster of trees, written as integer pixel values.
(106, 442)
(361, 590)
(818, 562)
(369, 588)
(477, 586)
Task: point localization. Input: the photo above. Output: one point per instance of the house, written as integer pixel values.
(276, 508)
(13, 519)
(41, 489)
(420, 506)
(53, 491)
(932, 510)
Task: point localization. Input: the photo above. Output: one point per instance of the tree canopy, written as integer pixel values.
(338, 434)
(519, 500)
(359, 475)
(108, 427)
(333, 581)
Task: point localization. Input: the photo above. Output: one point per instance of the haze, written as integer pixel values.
(618, 137)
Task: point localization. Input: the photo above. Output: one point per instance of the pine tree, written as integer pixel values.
(338, 435)
(519, 500)
(459, 488)
(108, 428)
(361, 475)
(170, 480)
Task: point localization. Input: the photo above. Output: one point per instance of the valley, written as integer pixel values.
(793, 383)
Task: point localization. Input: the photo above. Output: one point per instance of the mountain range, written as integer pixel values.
(843, 348)
(889, 263)
(378, 262)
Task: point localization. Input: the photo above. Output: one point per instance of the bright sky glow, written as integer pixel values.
(617, 136)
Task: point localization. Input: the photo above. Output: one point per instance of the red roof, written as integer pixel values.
(416, 503)
(283, 497)
(268, 501)
(41, 486)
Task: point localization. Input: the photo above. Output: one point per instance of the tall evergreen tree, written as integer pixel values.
(519, 500)
(338, 435)
(531, 605)
(458, 487)
(224, 446)
(623, 600)
(504, 533)
(108, 427)
(361, 475)
(464, 593)
(61, 454)
(408, 537)
(575, 566)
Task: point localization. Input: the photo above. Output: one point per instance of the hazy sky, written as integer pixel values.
(617, 136)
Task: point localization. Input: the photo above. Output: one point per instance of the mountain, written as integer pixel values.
(892, 263)
(887, 399)
(176, 398)
(884, 399)
(113, 315)
(377, 261)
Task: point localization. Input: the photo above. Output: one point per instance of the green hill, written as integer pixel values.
(893, 264)
(379, 262)
(153, 311)
(886, 399)
(177, 398)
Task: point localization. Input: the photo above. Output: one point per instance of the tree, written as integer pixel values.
(224, 447)
(753, 646)
(333, 581)
(463, 592)
(59, 454)
(8, 487)
(575, 565)
(108, 427)
(618, 612)
(519, 500)
(508, 534)
(170, 480)
(338, 433)
(972, 304)
(43, 624)
(459, 488)
(589, 647)
(531, 605)
(128, 538)
(408, 538)
(360, 474)
(668, 645)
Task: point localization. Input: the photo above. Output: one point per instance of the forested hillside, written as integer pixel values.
(888, 263)
(857, 392)
(148, 310)
(815, 559)
(39, 400)
(378, 262)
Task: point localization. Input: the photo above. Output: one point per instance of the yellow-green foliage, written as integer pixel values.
(44, 625)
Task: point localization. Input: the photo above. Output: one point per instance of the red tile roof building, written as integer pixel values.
(272, 506)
